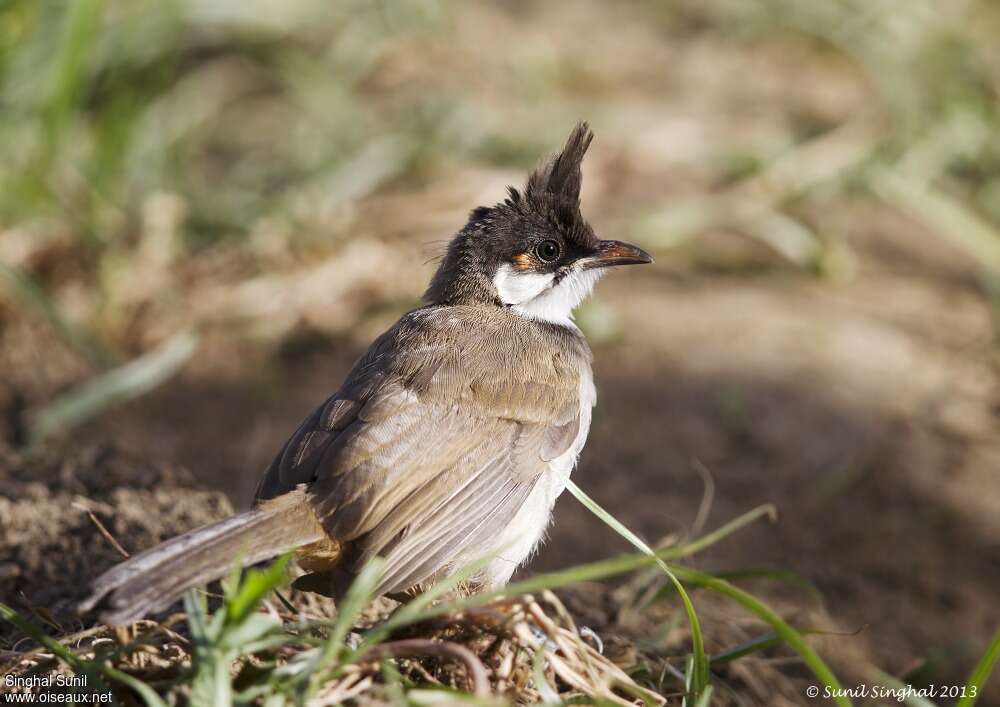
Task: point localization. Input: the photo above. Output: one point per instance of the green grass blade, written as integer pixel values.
(195, 610)
(250, 592)
(706, 698)
(768, 640)
(358, 596)
(589, 572)
(393, 682)
(91, 668)
(772, 573)
(700, 678)
(210, 680)
(708, 539)
(67, 79)
(69, 65)
(792, 637)
(123, 383)
(28, 628)
(976, 681)
(594, 571)
(144, 691)
(326, 660)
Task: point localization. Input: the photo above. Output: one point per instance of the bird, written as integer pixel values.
(450, 439)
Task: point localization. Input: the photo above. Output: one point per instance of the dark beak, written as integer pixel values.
(616, 253)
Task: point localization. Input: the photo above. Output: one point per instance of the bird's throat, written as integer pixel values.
(545, 296)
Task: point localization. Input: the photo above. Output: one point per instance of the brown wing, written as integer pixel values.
(437, 437)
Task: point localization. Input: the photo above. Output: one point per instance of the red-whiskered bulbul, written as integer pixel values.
(452, 436)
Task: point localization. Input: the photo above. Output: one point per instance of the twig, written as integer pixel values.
(102, 530)
(439, 649)
(287, 604)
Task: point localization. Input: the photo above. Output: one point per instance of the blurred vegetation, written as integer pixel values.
(171, 166)
(929, 145)
(148, 148)
(126, 119)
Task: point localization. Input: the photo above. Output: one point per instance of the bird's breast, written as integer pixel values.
(525, 532)
(561, 467)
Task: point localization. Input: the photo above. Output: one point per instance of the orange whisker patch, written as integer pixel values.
(523, 261)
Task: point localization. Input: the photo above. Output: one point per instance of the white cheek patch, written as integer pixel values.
(534, 295)
(515, 287)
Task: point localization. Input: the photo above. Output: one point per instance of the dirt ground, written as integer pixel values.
(50, 547)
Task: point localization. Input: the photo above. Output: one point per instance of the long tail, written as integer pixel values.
(156, 578)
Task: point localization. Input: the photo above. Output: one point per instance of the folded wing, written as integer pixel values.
(435, 440)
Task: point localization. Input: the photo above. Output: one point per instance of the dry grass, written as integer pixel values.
(523, 647)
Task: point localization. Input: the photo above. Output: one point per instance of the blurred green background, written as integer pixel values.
(196, 197)
(145, 145)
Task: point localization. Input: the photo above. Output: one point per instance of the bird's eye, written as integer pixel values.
(547, 250)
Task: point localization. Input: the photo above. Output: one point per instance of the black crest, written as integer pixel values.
(559, 178)
(552, 193)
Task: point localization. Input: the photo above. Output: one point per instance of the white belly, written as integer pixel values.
(526, 531)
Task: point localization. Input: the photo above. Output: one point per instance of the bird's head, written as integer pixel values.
(532, 252)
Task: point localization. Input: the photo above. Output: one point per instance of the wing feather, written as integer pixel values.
(435, 440)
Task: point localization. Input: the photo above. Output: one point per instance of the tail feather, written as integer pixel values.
(157, 577)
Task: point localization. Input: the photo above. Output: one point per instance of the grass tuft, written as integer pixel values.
(518, 641)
